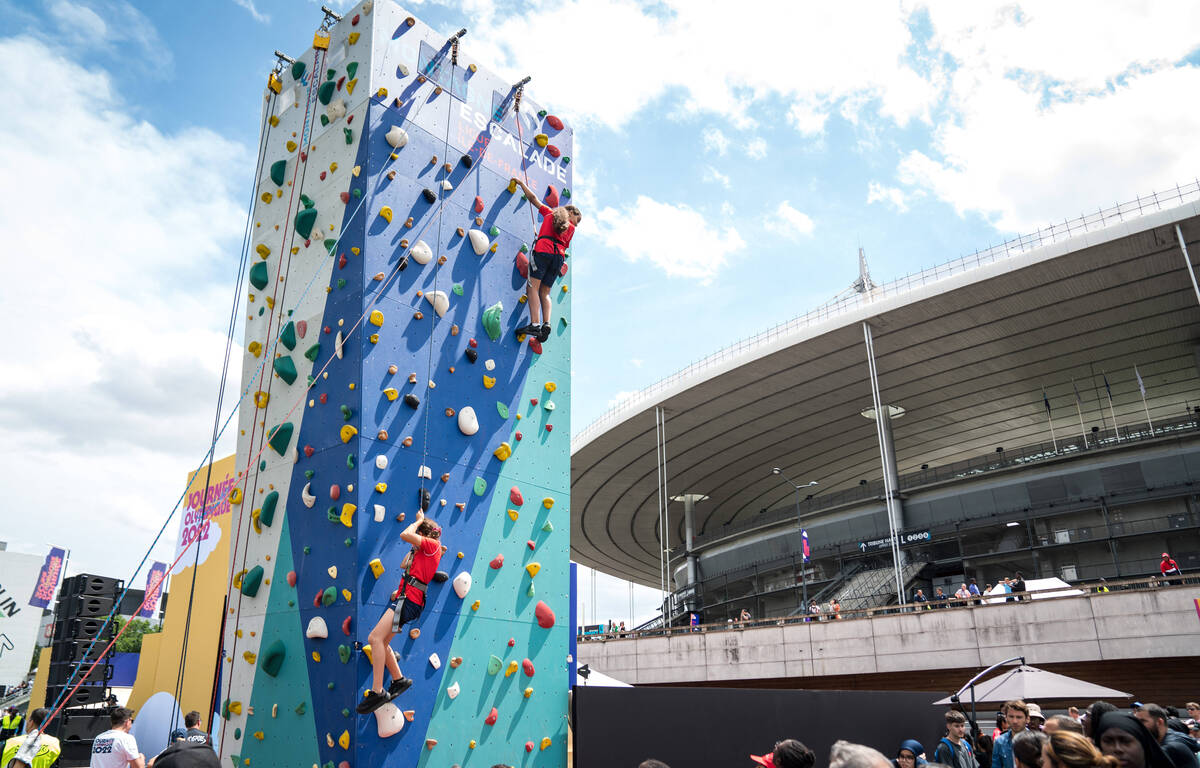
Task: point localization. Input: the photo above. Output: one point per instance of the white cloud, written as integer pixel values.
(249, 6)
(715, 141)
(675, 238)
(113, 27)
(789, 222)
(756, 149)
(808, 116)
(712, 175)
(123, 243)
(893, 196)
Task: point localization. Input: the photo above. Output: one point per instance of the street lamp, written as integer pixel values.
(803, 560)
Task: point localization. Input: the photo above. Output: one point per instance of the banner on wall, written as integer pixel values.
(47, 582)
(154, 583)
(19, 621)
(202, 506)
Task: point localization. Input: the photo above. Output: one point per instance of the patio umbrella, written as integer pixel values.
(1033, 684)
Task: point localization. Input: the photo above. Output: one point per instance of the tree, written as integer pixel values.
(131, 641)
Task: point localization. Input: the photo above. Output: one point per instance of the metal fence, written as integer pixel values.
(1054, 233)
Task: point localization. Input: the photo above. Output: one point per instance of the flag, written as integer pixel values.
(1107, 388)
(1078, 399)
(1141, 386)
(804, 543)
(47, 582)
(154, 582)
(1046, 400)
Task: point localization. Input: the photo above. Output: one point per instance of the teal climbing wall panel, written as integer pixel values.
(385, 229)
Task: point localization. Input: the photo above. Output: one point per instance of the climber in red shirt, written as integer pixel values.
(546, 262)
(408, 600)
(1168, 567)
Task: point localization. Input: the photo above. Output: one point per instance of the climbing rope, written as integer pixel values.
(524, 170)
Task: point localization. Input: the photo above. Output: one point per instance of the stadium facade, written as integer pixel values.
(1043, 402)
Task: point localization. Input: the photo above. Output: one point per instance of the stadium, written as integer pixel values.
(1043, 404)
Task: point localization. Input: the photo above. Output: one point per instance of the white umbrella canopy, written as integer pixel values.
(1033, 684)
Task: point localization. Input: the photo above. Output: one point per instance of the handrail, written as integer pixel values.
(1082, 589)
(1008, 249)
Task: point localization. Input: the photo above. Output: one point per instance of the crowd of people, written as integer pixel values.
(1104, 736)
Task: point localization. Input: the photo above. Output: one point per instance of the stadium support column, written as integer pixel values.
(882, 415)
(689, 530)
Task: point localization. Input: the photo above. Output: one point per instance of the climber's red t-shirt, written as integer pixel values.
(562, 240)
(425, 563)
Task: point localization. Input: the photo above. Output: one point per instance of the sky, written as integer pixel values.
(730, 161)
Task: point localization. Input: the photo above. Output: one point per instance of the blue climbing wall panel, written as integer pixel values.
(381, 309)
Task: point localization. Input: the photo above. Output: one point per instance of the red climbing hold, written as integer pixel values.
(527, 667)
(530, 544)
(304, 157)
(308, 451)
(354, 21)
(345, 198)
(545, 616)
(554, 122)
(529, 746)
(523, 265)
(344, 764)
(563, 269)
(553, 151)
(327, 329)
(472, 343)
(515, 496)
(497, 561)
(301, 328)
(322, 175)
(478, 204)
(342, 261)
(551, 198)
(491, 718)
(346, 626)
(518, 436)
(512, 642)
(291, 578)
(335, 492)
(323, 397)
(317, 599)
(341, 81)
(549, 427)
(533, 401)
(536, 346)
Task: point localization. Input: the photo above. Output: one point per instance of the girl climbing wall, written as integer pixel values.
(406, 606)
(549, 255)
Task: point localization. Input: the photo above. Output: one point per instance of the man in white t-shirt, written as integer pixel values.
(116, 748)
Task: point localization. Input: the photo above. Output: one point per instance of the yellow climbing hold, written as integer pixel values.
(262, 250)
(528, 692)
(547, 502)
(533, 569)
(235, 707)
(366, 649)
(274, 121)
(376, 567)
(551, 386)
(475, 606)
(291, 146)
(541, 139)
(352, 38)
(259, 735)
(471, 744)
(545, 739)
(385, 213)
(391, 393)
(350, 85)
(347, 516)
(381, 487)
(250, 657)
(261, 399)
(374, 339)
(381, 93)
(512, 186)
(512, 667)
(344, 740)
(512, 514)
(346, 595)
(376, 318)
(235, 496)
(348, 432)
(489, 382)
(254, 348)
(503, 452)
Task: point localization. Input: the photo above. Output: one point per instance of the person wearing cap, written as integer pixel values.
(1123, 737)
(1036, 718)
(789, 753)
(1178, 747)
(1169, 568)
(1016, 715)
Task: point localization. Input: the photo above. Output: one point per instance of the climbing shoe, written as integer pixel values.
(371, 702)
(398, 687)
(528, 330)
(543, 332)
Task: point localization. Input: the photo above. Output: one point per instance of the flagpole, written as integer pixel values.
(1050, 421)
(1142, 389)
(1082, 428)
(1116, 429)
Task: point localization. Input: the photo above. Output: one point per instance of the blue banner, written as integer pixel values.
(804, 543)
(47, 583)
(154, 583)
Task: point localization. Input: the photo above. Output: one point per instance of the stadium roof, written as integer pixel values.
(965, 348)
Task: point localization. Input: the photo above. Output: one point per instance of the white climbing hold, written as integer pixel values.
(446, 185)
(338, 344)
(396, 136)
(307, 497)
(425, 472)
(336, 109)
(452, 691)
(379, 513)
(490, 364)
(440, 302)
(435, 661)
(462, 584)
(479, 241)
(381, 461)
(389, 720)
(468, 424)
(421, 252)
(316, 628)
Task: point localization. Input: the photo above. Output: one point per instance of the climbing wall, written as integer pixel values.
(383, 375)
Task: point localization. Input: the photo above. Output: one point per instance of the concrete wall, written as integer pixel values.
(1117, 625)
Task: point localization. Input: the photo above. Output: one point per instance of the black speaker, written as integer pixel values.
(59, 674)
(76, 650)
(81, 629)
(75, 753)
(84, 607)
(91, 586)
(84, 695)
(82, 724)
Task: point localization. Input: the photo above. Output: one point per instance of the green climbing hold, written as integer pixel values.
(329, 74)
(563, 322)
(311, 380)
(262, 465)
(261, 310)
(344, 653)
(494, 231)
(308, 474)
(291, 603)
(347, 414)
(529, 592)
(305, 221)
(301, 708)
(345, 712)
(502, 409)
(307, 201)
(480, 486)
(285, 368)
(491, 320)
(258, 275)
(324, 120)
(288, 337)
(252, 581)
(330, 244)
(548, 527)
(271, 660)
(313, 351)
(350, 461)
(494, 664)
(267, 515)
(566, 160)
(281, 437)
(356, 192)
(297, 70)
(524, 248)
(330, 686)
(349, 135)
(333, 515)
(349, 542)
(225, 709)
(278, 169)
(351, 70)
(237, 733)
(566, 193)
(325, 92)
(308, 550)
(329, 596)
(341, 282)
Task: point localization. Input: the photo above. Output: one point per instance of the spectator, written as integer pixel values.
(1193, 710)
(973, 588)
(921, 599)
(963, 594)
(814, 609)
(744, 616)
(1007, 589)
(1169, 569)
(1094, 713)
(1103, 585)
(186, 754)
(1016, 715)
(788, 753)
(835, 608)
(10, 724)
(983, 750)
(1067, 749)
(1018, 585)
(694, 620)
(1001, 726)
(844, 754)
(1036, 718)
(911, 754)
(1027, 749)
(116, 747)
(37, 750)
(1057, 723)
(939, 598)
(952, 750)
(1073, 712)
(1177, 747)
(1123, 737)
